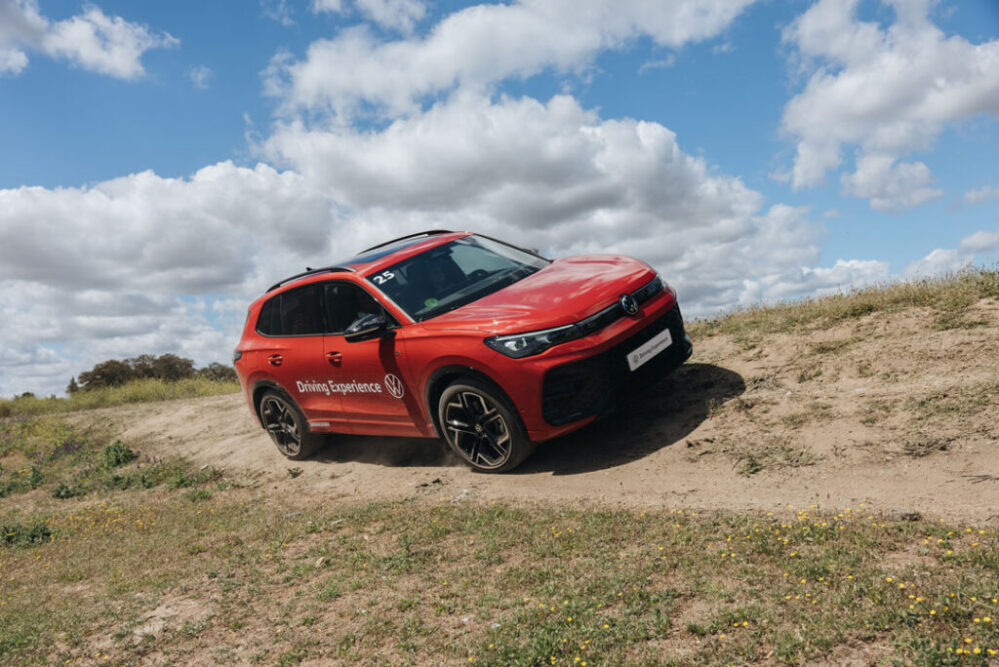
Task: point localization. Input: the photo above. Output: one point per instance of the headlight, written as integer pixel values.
(532, 342)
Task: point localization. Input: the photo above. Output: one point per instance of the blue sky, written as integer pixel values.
(749, 150)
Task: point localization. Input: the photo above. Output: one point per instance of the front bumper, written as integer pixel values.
(587, 387)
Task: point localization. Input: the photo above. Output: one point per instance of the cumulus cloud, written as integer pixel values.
(890, 186)
(142, 263)
(558, 177)
(91, 40)
(480, 45)
(21, 28)
(886, 91)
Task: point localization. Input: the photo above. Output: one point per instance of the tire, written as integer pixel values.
(479, 425)
(287, 426)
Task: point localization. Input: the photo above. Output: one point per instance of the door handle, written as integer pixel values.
(334, 357)
(275, 359)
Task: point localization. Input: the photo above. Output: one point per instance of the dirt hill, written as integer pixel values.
(866, 401)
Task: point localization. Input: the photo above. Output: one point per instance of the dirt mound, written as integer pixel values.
(880, 413)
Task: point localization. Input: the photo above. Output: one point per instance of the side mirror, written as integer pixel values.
(366, 327)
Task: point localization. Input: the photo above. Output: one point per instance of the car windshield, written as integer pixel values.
(454, 274)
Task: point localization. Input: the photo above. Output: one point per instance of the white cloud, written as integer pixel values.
(277, 10)
(941, 260)
(120, 268)
(844, 275)
(92, 40)
(890, 186)
(89, 273)
(480, 45)
(980, 242)
(557, 177)
(105, 44)
(401, 15)
(398, 15)
(200, 76)
(980, 245)
(12, 61)
(981, 195)
(888, 92)
(327, 5)
(21, 27)
(661, 63)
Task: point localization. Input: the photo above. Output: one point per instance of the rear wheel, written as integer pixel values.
(481, 427)
(286, 425)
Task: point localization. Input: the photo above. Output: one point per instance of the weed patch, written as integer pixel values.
(948, 296)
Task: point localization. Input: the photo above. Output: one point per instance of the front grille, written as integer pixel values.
(584, 388)
(615, 311)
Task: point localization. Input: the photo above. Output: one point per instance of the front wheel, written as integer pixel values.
(286, 425)
(480, 427)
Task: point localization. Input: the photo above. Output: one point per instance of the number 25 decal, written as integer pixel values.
(383, 277)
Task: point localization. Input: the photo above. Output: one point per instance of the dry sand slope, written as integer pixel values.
(881, 410)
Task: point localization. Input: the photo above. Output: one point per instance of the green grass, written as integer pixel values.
(491, 584)
(137, 391)
(948, 296)
(98, 542)
(61, 461)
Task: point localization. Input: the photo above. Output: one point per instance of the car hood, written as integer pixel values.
(565, 291)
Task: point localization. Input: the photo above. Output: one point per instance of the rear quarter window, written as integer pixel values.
(297, 312)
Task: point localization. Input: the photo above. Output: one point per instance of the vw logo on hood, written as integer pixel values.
(629, 304)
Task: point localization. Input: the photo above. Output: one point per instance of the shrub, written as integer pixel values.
(117, 454)
(17, 534)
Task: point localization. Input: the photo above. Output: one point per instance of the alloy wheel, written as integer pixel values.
(477, 429)
(282, 425)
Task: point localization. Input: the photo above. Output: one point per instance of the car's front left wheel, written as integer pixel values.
(481, 427)
(286, 425)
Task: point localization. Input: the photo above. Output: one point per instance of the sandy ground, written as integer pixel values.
(882, 412)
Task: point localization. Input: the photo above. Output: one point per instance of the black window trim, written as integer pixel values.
(393, 321)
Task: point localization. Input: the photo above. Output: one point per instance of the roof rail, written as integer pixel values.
(429, 232)
(308, 272)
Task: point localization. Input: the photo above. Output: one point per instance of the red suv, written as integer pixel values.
(456, 335)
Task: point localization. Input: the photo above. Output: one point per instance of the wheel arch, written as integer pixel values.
(259, 387)
(445, 375)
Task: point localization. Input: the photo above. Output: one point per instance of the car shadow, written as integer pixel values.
(386, 451)
(643, 424)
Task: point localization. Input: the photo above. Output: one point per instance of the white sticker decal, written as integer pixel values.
(394, 385)
(383, 277)
(331, 387)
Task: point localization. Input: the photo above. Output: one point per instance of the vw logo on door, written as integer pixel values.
(629, 304)
(394, 385)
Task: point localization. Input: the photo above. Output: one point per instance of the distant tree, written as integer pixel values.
(218, 372)
(27, 394)
(172, 368)
(144, 365)
(110, 373)
(169, 367)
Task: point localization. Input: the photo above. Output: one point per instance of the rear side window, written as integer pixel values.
(297, 312)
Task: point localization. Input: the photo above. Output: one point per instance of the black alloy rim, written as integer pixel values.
(477, 429)
(280, 422)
